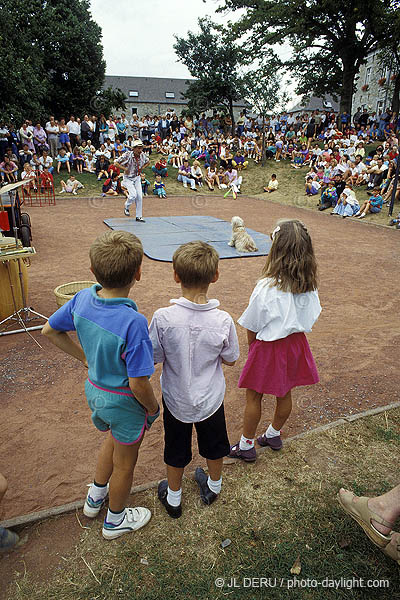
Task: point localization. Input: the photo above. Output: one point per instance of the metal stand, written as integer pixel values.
(26, 314)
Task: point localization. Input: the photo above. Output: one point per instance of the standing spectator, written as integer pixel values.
(74, 131)
(121, 129)
(52, 131)
(94, 126)
(163, 127)
(135, 126)
(112, 129)
(40, 139)
(3, 139)
(26, 136)
(103, 129)
(64, 134)
(86, 129)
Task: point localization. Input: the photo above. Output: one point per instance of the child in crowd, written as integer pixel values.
(347, 205)
(272, 185)
(197, 173)
(90, 164)
(28, 175)
(192, 381)
(212, 178)
(112, 185)
(62, 159)
(116, 349)
(329, 197)
(283, 306)
(71, 186)
(312, 186)
(159, 188)
(372, 205)
(145, 184)
(160, 168)
(46, 180)
(239, 161)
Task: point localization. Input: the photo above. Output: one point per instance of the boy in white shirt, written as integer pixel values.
(193, 338)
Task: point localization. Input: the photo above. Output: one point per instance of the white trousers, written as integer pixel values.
(236, 183)
(134, 187)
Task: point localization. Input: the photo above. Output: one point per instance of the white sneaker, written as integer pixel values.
(134, 519)
(62, 191)
(91, 508)
(185, 185)
(74, 193)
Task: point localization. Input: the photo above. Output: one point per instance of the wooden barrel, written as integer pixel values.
(6, 293)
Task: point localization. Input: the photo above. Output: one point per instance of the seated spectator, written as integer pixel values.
(312, 186)
(347, 205)
(185, 176)
(395, 221)
(34, 162)
(8, 171)
(25, 155)
(372, 205)
(239, 162)
(159, 187)
(113, 168)
(46, 161)
(28, 175)
(212, 178)
(145, 184)
(71, 186)
(376, 172)
(46, 180)
(197, 173)
(160, 168)
(102, 166)
(272, 185)
(112, 185)
(78, 160)
(62, 160)
(233, 180)
(90, 164)
(329, 197)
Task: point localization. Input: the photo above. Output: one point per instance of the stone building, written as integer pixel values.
(156, 95)
(312, 104)
(373, 88)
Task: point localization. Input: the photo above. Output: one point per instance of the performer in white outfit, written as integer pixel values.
(132, 162)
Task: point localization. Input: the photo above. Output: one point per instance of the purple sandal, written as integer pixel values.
(246, 455)
(275, 442)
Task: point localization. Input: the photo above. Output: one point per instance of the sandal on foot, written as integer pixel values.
(392, 550)
(360, 512)
(246, 455)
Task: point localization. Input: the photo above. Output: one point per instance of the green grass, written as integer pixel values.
(255, 177)
(281, 508)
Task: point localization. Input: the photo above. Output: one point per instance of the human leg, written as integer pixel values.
(244, 449)
(128, 183)
(139, 198)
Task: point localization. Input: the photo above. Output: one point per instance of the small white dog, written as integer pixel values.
(241, 240)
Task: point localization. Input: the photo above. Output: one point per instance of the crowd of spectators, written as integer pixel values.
(208, 151)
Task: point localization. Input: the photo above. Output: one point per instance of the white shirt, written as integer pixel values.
(74, 127)
(191, 340)
(274, 314)
(45, 163)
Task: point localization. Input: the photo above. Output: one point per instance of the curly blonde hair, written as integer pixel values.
(291, 262)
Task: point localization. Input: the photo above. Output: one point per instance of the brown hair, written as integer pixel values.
(115, 257)
(195, 263)
(291, 262)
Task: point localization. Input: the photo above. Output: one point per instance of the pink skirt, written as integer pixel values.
(277, 367)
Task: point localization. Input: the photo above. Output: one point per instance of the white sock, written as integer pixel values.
(174, 498)
(271, 432)
(215, 486)
(115, 518)
(98, 492)
(245, 443)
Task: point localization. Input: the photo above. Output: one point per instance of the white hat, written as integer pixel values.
(137, 143)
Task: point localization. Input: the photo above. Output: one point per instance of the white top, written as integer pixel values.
(274, 314)
(74, 127)
(191, 340)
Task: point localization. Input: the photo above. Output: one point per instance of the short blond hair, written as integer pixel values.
(195, 263)
(115, 257)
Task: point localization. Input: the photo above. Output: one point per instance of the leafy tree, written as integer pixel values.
(215, 61)
(389, 56)
(52, 59)
(263, 91)
(330, 39)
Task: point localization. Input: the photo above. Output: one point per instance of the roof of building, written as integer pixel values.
(153, 89)
(315, 103)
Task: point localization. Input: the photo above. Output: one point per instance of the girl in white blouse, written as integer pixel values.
(283, 306)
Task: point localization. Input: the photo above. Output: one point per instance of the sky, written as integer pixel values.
(138, 36)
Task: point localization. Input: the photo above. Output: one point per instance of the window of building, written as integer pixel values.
(170, 94)
(133, 93)
(134, 111)
(367, 75)
(379, 106)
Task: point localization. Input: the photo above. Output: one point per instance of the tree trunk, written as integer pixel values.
(263, 143)
(396, 95)
(349, 73)
(231, 115)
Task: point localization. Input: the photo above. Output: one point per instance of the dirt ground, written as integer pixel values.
(49, 444)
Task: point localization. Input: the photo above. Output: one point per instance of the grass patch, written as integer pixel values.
(255, 177)
(281, 508)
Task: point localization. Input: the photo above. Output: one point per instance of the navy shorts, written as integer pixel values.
(212, 438)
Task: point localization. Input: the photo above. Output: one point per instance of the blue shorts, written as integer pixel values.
(64, 138)
(119, 412)
(374, 209)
